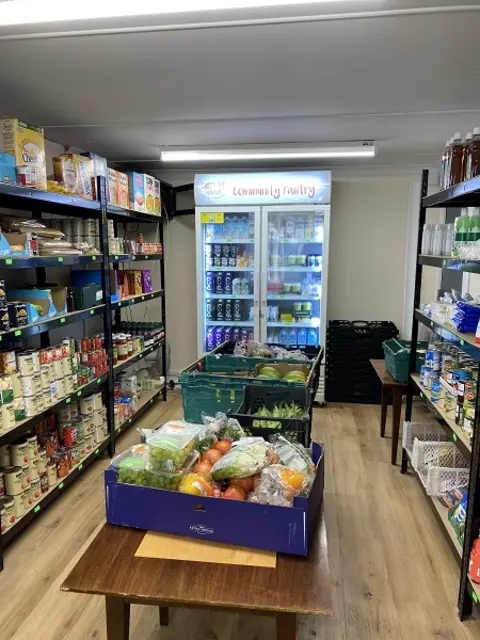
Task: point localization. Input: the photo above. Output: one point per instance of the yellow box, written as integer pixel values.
(157, 207)
(149, 194)
(112, 187)
(27, 144)
(122, 190)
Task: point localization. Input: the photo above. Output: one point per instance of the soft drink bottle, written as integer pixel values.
(232, 260)
(219, 282)
(244, 334)
(208, 256)
(302, 337)
(250, 335)
(283, 337)
(219, 335)
(220, 310)
(217, 255)
(251, 226)
(237, 310)
(292, 337)
(209, 281)
(209, 310)
(210, 338)
(225, 255)
(228, 283)
(312, 338)
(227, 334)
(236, 335)
(228, 310)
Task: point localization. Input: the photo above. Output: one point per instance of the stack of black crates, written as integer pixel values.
(350, 345)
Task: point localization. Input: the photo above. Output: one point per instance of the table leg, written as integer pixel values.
(286, 626)
(164, 617)
(118, 618)
(397, 409)
(386, 400)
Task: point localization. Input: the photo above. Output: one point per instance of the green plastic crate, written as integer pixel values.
(204, 391)
(397, 358)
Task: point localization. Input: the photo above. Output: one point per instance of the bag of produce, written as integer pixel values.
(281, 410)
(243, 461)
(278, 486)
(171, 446)
(223, 427)
(294, 456)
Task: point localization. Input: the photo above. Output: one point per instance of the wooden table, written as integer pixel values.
(109, 567)
(392, 392)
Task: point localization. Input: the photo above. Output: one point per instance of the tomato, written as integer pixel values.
(244, 483)
(203, 468)
(223, 446)
(212, 455)
(235, 493)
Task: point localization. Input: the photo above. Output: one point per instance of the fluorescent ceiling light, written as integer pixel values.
(309, 153)
(15, 12)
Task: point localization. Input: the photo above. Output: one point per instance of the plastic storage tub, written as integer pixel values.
(170, 480)
(397, 358)
(255, 398)
(171, 446)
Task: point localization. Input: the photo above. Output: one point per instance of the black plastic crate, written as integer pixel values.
(256, 397)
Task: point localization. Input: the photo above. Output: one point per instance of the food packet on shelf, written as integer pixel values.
(243, 461)
(223, 427)
(294, 456)
(278, 486)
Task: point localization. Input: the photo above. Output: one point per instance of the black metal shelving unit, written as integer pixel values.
(38, 203)
(463, 195)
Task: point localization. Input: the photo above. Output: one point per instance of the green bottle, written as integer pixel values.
(474, 224)
(461, 230)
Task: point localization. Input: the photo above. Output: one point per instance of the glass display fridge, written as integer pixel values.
(262, 258)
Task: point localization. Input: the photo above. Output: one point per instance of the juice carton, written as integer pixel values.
(136, 191)
(27, 144)
(112, 187)
(149, 194)
(157, 207)
(122, 190)
(99, 169)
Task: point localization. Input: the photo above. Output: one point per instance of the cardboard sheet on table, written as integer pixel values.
(168, 547)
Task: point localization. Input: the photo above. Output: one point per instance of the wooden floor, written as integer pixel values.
(394, 577)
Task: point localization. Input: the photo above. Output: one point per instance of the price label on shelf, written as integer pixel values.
(97, 451)
(36, 509)
(80, 467)
(68, 401)
(60, 259)
(474, 597)
(454, 437)
(62, 320)
(8, 261)
(214, 217)
(60, 486)
(94, 258)
(18, 333)
(462, 343)
(444, 263)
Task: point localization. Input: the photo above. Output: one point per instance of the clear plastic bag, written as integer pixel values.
(223, 427)
(294, 456)
(278, 486)
(243, 461)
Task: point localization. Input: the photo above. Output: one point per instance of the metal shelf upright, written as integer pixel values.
(465, 194)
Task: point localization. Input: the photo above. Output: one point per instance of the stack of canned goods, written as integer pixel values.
(126, 398)
(450, 377)
(93, 358)
(78, 231)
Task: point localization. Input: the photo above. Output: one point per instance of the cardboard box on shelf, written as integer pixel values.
(83, 168)
(14, 244)
(149, 194)
(52, 301)
(122, 190)
(112, 187)
(136, 191)
(99, 169)
(157, 208)
(27, 144)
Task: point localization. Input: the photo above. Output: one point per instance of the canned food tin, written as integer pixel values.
(68, 382)
(44, 357)
(31, 406)
(28, 497)
(3, 526)
(89, 442)
(58, 369)
(28, 389)
(66, 347)
(51, 473)
(54, 390)
(39, 402)
(19, 505)
(47, 398)
(19, 454)
(8, 416)
(74, 410)
(37, 382)
(6, 388)
(57, 352)
(70, 435)
(86, 405)
(5, 459)
(98, 418)
(33, 466)
(13, 480)
(19, 409)
(2, 483)
(97, 401)
(62, 464)
(44, 482)
(67, 367)
(99, 434)
(42, 460)
(65, 414)
(88, 424)
(45, 376)
(25, 363)
(16, 384)
(60, 389)
(76, 458)
(26, 475)
(36, 491)
(36, 360)
(8, 362)
(80, 430)
(32, 442)
(8, 505)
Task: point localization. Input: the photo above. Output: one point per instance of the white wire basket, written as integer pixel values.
(441, 480)
(431, 431)
(436, 454)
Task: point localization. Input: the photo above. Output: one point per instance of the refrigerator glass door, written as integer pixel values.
(295, 245)
(228, 249)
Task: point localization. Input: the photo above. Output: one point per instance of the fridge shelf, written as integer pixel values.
(295, 325)
(291, 296)
(297, 269)
(230, 269)
(295, 241)
(228, 296)
(229, 323)
(230, 241)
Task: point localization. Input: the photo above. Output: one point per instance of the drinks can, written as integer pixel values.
(210, 282)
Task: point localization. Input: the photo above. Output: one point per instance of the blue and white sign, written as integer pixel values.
(294, 187)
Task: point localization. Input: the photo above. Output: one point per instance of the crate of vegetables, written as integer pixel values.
(227, 488)
(267, 410)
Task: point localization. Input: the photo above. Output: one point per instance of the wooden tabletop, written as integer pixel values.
(385, 377)
(109, 567)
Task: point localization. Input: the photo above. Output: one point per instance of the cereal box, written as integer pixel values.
(83, 167)
(64, 172)
(149, 194)
(136, 191)
(27, 144)
(157, 207)
(112, 187)
(122, 190)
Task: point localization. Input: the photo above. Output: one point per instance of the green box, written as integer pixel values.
(397, 358)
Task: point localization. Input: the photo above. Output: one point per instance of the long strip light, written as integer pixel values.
(360, 151)
(16, 12)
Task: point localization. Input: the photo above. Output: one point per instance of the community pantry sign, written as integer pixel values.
(295, 187)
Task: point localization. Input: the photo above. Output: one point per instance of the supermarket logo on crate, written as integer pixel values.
(212, 189)
(201, 530)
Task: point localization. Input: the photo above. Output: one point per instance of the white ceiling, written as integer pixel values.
(405, 74)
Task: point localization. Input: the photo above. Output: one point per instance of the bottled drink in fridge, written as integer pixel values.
(236, 334)
(292, 337)
(302, 337)
(232, 260)
(312, 338)
(218, 282)
(208, 256)
(225, 255)
(220, 310)
(227, 334)
(427, 240)
(228, 283)
(228, 310)
(209, 310)
(237, 310)
(219, 336)
(217, 255)
(251, 226)
(448, 239)
(210, 338)
(283, 336)
(209, 281)
(244, 334)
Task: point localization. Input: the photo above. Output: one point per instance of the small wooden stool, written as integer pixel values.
(392, 392)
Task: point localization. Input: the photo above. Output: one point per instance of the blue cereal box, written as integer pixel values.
(136, 191)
